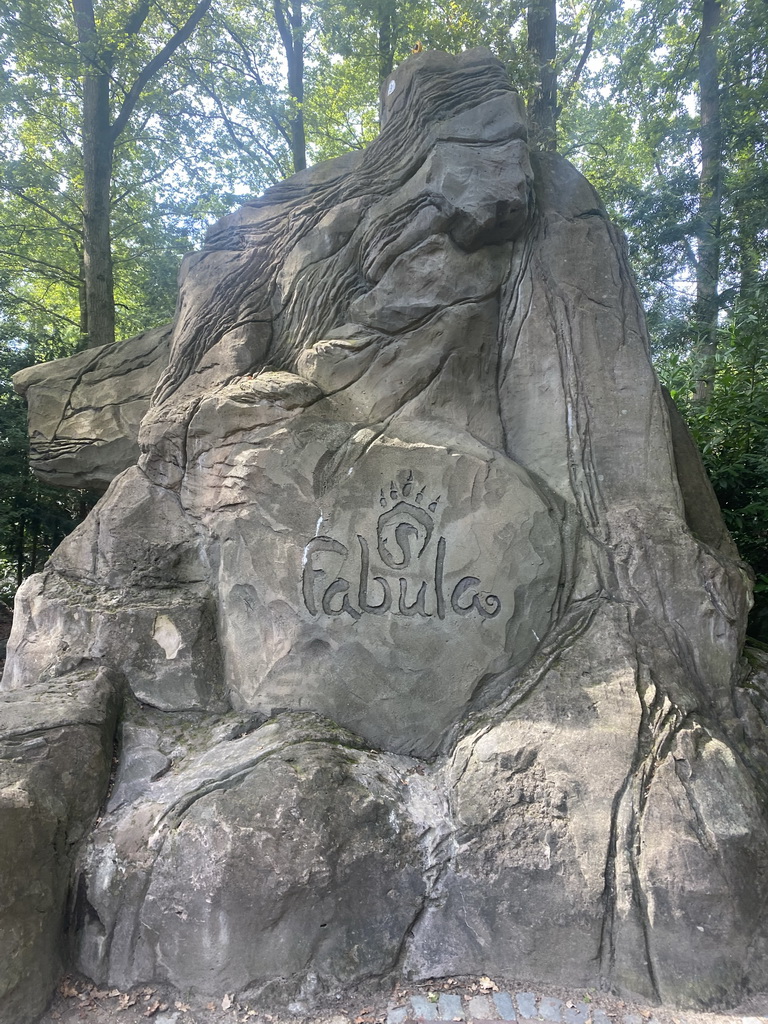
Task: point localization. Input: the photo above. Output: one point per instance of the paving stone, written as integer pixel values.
(526, 1004)
(600, 1017)
(578, 1014)
(480, 1007)
(450, 1007)
(423, 1009)
(504, 1006)
(550, 1008)
(397, 1014)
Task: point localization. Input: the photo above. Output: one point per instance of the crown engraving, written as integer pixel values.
(405, 528)
(407, 490)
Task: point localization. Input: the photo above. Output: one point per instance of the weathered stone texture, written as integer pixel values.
(84, 412)
(248, 856)
(431, 629)
(56, 738)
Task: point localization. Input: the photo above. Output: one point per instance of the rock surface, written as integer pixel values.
(56, 738)
(84, 412)
(431, 632)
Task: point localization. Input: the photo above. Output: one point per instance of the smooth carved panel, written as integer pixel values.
(420, 572)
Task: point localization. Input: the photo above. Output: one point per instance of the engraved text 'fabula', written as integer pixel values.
(404, 537)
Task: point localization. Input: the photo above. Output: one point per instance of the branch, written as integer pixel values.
(134, 188)
(246, 52)
(41, 28)
(137, 17)
(21, 194)
(161, 58)
(228, 123)
(58, 122)
(60, 274)
(244, 147)
(22, 300)
(689, 251)
(282, 27)
(588, 42)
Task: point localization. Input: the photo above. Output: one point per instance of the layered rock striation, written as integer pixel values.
(419, 610)
(84, 412)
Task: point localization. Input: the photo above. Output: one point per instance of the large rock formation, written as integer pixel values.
(422, 617)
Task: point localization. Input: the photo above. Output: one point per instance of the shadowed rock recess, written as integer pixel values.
(414, 638)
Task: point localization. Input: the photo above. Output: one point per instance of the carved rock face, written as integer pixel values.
(421, 600)
(381, 560)
(399, 589)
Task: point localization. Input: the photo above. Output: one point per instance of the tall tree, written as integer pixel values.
(101, 128)
(542, 45)
(710, 201)
(289, 18)
(560, 39)
(671, 128)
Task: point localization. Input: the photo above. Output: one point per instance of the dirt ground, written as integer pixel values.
(79, 1001)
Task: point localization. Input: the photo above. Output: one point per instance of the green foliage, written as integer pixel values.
(634, 131)
(41, 176)
(732, 435)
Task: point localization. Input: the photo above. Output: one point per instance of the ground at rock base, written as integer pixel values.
(471, 1001)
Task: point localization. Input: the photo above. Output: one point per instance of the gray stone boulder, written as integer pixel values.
(250, 852)
(430, 628)
(56, 746)
(604, 813)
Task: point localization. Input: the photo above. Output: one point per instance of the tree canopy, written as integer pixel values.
(130, 125)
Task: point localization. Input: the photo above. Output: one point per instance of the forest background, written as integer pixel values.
(128, 126)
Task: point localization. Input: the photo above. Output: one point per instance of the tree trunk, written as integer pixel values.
(98, 146)
(290, 25)
(33, 552)
(387, 18)
(97, 208)
(99, 134)
(542, 107)
(20, 552)
(296, 89)
(82, 301)
(710, 204)
(747, 226)
(749, 255)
